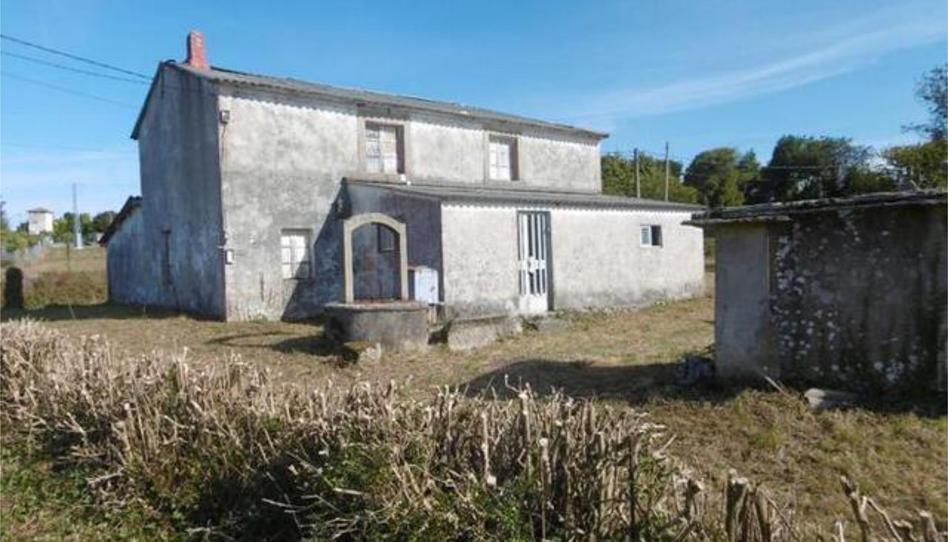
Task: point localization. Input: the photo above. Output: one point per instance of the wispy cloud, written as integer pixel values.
(859, 45)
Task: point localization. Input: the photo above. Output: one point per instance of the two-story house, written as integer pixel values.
(264, 197)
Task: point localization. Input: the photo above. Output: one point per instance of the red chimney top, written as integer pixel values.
(196, 55)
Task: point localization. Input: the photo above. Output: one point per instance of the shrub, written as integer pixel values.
(226, 451)
(64, 288)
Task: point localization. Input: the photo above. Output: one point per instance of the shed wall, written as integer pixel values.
(859, 296)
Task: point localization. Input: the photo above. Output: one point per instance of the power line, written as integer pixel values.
(70, 68)
(64, 89)
(74, 57)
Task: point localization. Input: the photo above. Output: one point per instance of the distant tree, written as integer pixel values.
(864, 180)
(4, 219)
(925, 165)
(618, 178)
(23, 227)
(811, 167)
(718, 176)
(932, 90)
(101, 221)
(62, 227)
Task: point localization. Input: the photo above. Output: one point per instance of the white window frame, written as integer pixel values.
(375, 158)
(494, 170)
(647, 237)
(296, 262)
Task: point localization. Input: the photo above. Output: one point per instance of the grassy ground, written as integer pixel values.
(895, 454)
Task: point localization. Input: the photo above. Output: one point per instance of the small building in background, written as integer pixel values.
(838, 292)
(39, 221)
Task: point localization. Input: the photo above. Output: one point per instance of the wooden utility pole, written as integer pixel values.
(638, 187)
(666, 171)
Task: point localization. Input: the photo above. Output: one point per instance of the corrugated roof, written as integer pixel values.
(783, 210)
(488, 195)
(380, 98)
(357, 96)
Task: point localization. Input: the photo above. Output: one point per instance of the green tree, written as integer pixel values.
(4, 219)
(62, 227)
(101, 221)
(717, 177)
(618, 178)
(804, 167)
(932, 90)
(925, 165)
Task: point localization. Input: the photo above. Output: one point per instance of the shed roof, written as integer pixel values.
(359, 96)
(783, 211)
(477, 194)
(131, 204)
(39, 210)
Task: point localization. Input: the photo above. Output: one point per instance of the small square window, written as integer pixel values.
(502, 156)
(650, 235)
(294, 254)
(383, 148)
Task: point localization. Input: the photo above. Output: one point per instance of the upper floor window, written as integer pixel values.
(294, 254)
(384, 148)
(651, 235)
(503, 154)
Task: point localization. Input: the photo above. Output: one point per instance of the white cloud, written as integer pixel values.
(860, 44)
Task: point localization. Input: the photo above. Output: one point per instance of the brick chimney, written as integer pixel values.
(196, 55)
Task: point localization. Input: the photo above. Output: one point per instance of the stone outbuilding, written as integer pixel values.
(265, 197)
(839, 292)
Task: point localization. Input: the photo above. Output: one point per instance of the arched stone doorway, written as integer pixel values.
(375, 258)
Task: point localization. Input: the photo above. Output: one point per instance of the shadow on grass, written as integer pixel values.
(316, 344)
(630, 383)
(102, 311)
(639, 383)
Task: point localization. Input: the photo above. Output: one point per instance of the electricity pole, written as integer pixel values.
(638, 188)
(666, 171)
(76, 228)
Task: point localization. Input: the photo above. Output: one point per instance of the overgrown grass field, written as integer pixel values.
(896, 452)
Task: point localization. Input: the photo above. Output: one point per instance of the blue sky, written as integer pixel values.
(698, 74)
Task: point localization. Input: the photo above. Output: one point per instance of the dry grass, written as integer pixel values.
(224, 451)
(622, 358)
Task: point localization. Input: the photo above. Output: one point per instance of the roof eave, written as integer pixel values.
(263, 84)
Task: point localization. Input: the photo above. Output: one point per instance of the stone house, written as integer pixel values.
(841, 292)
(264, 197)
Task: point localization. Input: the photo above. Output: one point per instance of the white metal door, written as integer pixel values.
(534, 253)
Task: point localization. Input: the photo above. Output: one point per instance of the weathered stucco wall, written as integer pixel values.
(598, 260)
(596, 257)
(743, 333)
(858, 296)
(130, 270)
(480, 260)
(282, 164)
(180, 183)
(283, 159)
